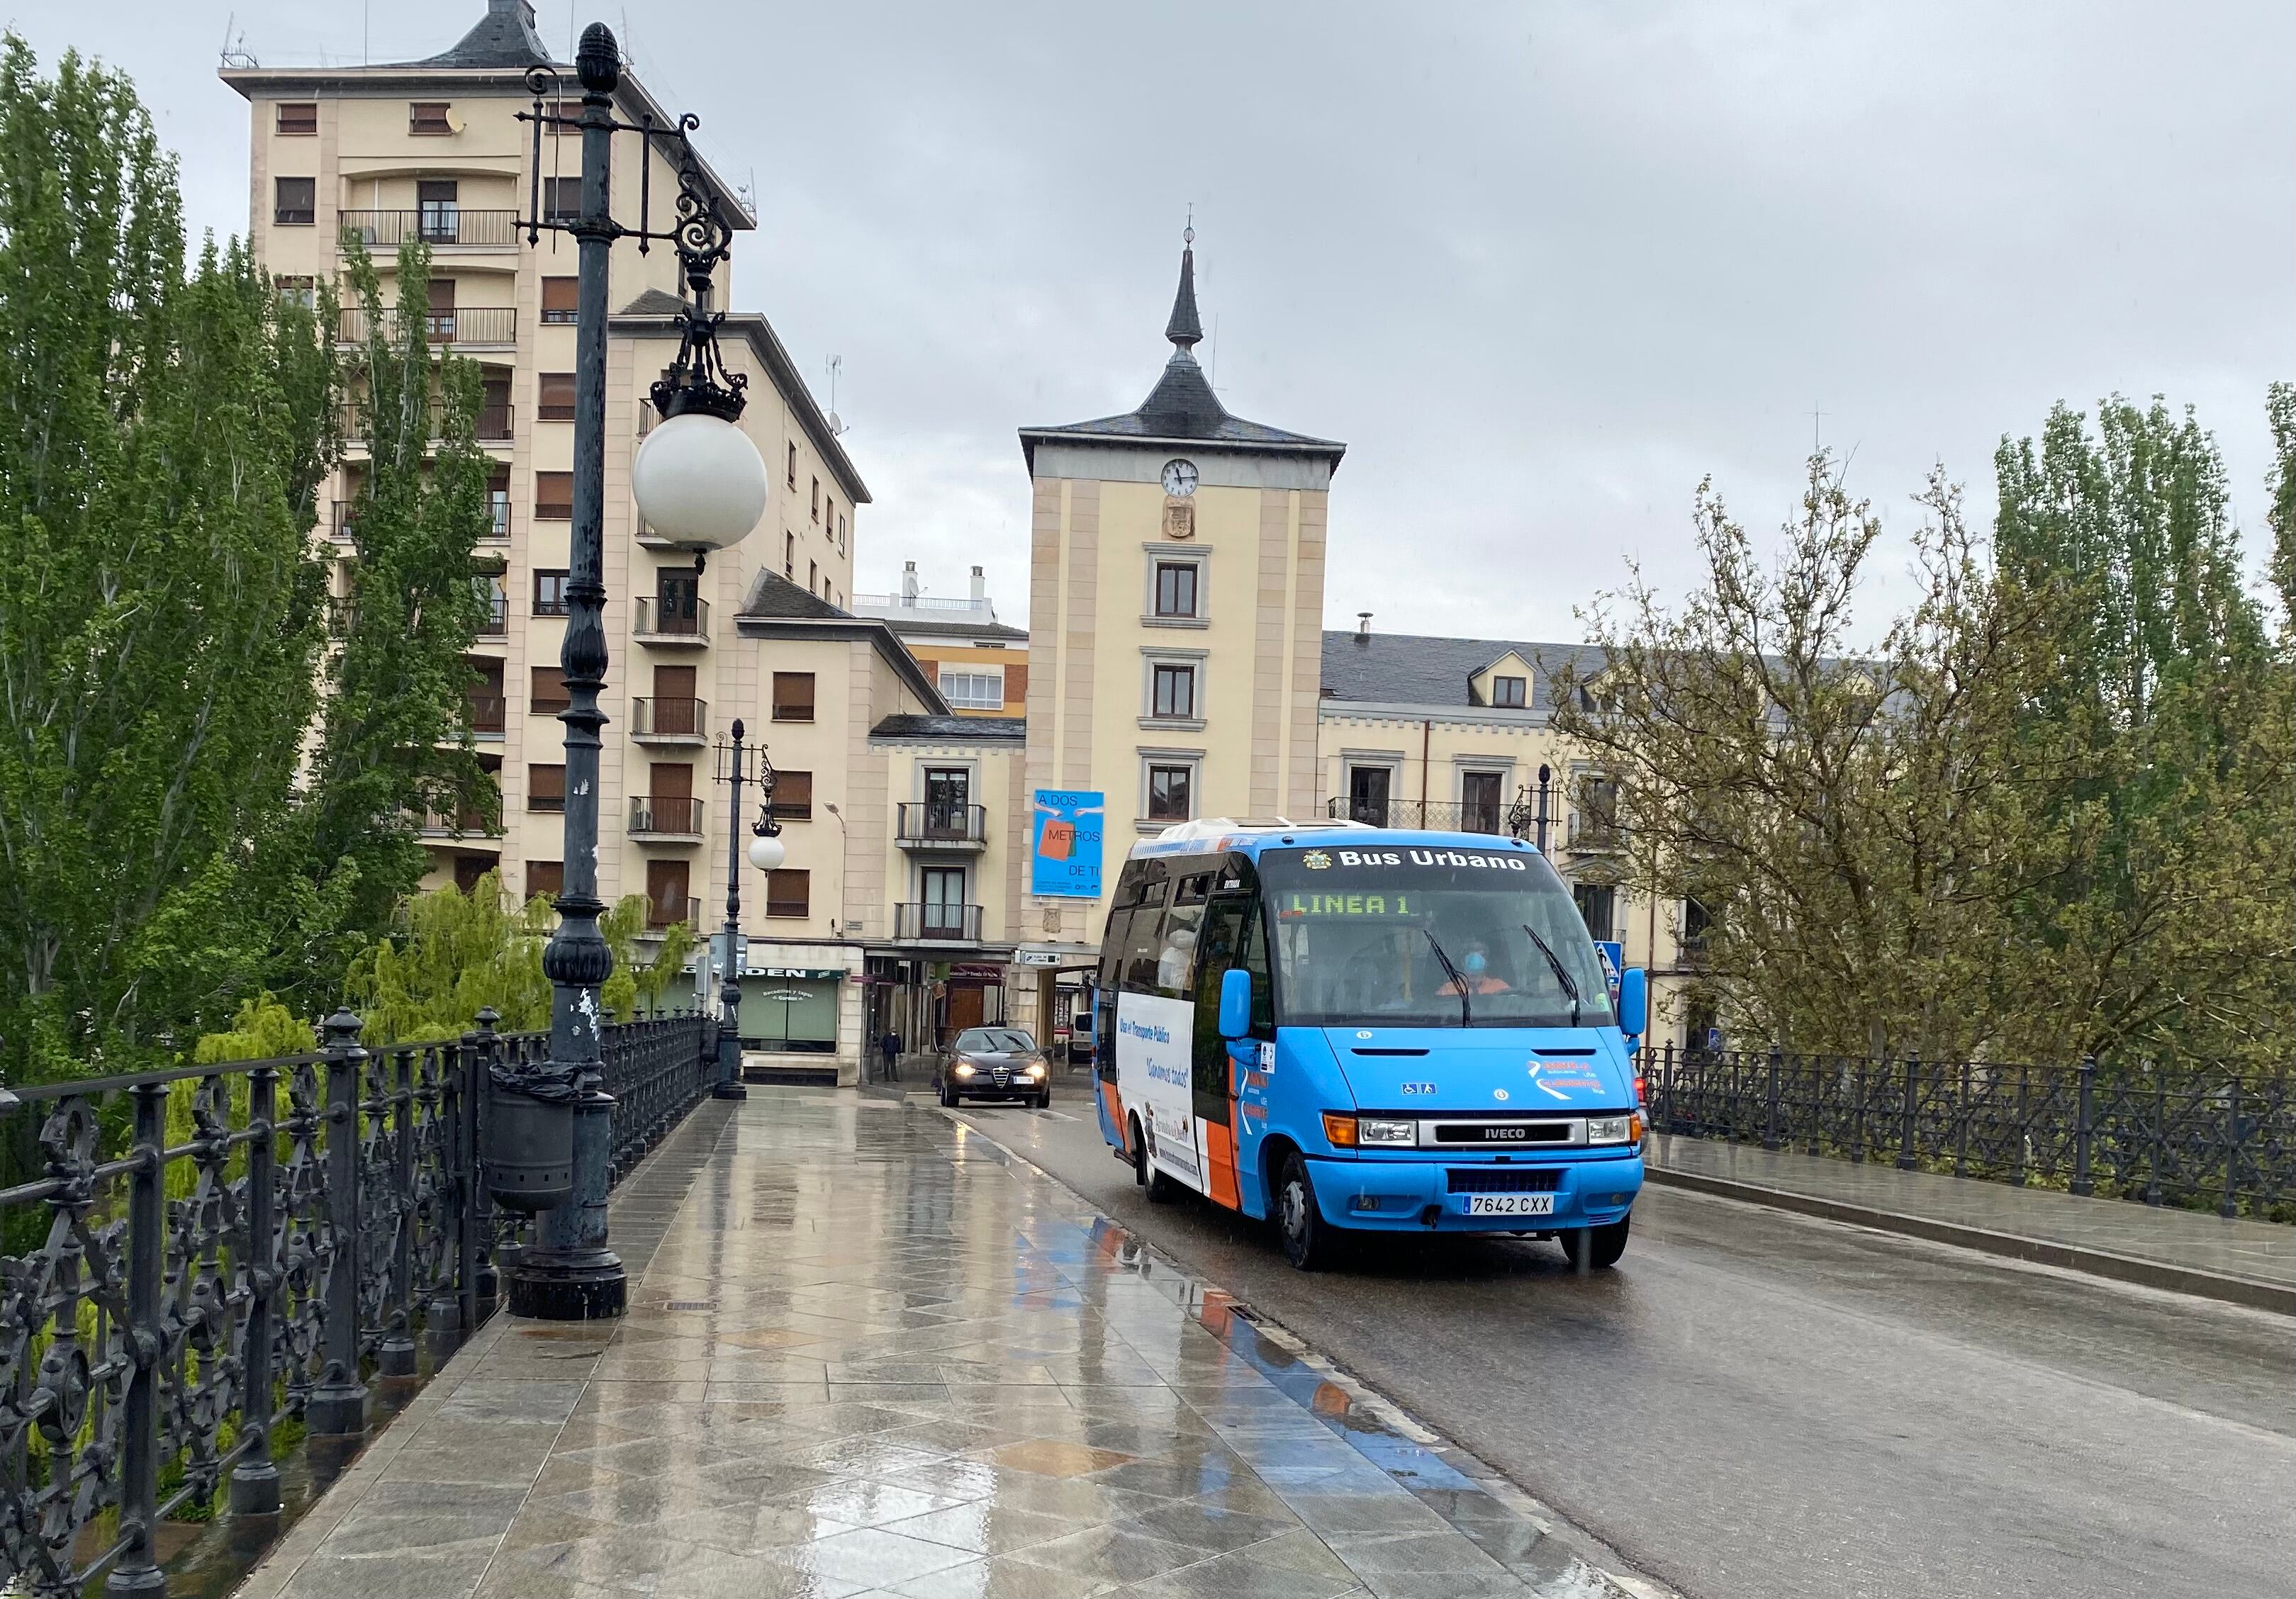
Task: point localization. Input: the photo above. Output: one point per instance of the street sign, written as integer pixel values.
(1036, 957)
(1064, 858)
(1613, 957)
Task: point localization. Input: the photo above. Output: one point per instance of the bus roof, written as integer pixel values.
(1214, 835)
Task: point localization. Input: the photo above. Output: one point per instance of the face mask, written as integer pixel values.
(1474, 961)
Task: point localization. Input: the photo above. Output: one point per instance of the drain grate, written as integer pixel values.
(691, 1304)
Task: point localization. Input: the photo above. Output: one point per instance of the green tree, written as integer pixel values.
(161, 440)
(2280, 413)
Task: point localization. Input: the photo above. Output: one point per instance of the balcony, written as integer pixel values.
(1432, 816)
(497, 624)
(660, 721)
(666, 819)
(469, 327)
(937, 924)
(450, 226)
(494, 425)
(497, 530)
(664, 913)
(469, 829)
(487, 713)
(665, 627)
(937, 824)
(1594, 832)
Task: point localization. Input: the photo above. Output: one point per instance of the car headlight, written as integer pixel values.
(1036, 1069)
(1613, 1129)
(964, 1069)
(1369, 1132)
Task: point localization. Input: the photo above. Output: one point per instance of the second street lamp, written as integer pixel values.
(700, 494)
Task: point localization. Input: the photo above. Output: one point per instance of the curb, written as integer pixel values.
(2250, 1292)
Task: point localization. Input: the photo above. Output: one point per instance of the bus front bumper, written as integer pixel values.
(1459, 1196)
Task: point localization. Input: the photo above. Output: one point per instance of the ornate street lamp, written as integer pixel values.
(553, 1119)
(766, 852)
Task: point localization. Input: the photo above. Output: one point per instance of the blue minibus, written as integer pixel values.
(1347, 1029)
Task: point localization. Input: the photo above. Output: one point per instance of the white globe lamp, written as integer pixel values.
(700, 482)
(768, 852)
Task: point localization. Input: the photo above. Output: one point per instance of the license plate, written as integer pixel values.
(1510, 1204)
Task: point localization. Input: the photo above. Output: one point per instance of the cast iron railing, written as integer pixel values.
(1435, 815)
(195, 1252)
(2198, 1137)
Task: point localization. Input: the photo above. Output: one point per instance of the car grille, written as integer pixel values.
(1500, 1179)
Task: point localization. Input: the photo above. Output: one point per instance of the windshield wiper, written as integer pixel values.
(1466, 1011)
(1561, 974)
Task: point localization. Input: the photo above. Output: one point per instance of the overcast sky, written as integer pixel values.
(1541, 265)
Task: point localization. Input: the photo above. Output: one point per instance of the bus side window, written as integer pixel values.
(1255, 961)
(1176, 954)
(1112, 941)
(1143, 943)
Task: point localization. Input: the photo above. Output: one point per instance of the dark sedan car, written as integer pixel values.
(995, 1063)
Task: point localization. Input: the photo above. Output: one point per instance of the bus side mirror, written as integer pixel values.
(1235, 1004)
(1634, 1002)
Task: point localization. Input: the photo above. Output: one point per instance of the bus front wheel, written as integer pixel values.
(1308, 1242)
(1595, 1248)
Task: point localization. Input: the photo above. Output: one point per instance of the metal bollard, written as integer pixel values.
(255, 1480)
(337, 1406)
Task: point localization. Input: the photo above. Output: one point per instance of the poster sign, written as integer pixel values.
(1064, 862)
(1612, 955)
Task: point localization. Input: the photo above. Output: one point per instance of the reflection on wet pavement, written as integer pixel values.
(869, 1357)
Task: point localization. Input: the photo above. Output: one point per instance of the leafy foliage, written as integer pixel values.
(2050, 812)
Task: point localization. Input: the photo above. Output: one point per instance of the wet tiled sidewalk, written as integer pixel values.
(867, 1356)
(2083, 1233)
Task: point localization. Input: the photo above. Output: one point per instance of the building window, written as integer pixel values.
(793, 796)
(294, 202)
(553, 399)
(1367, 794)
(498, 501)
(789, 892)
(549, 593)
(974, 688)
(561, 299)
(829, 515)
(1168, 792)
(299, 290)
(428, 117)
(1510, 692)
(548, 697)
(793, 696)
(546, 878)
(812, 577)
(1176, 588)
(553, 496)
(817, 499)
(840, 533)
(438, 301)
(1598, 905)
(298, 117)
(561, 200)
(1595, 813)
(793, 465)
(943, 910)
(667, 901)
(439, 211)
(1697, 921)
(545, 788)
(1173, 693)
(497, 622)
(789, 556)
(1481, 795)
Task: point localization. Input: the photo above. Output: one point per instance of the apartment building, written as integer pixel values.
(433, 150)
(980, 664)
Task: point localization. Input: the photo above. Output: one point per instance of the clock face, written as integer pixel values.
(1179, 477)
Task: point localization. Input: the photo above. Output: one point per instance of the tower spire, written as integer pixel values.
(1185, 328)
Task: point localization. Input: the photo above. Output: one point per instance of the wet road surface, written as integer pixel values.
(1756, 1405)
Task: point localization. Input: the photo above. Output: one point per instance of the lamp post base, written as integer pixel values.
(571, 1285)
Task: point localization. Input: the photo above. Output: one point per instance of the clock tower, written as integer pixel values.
(1175, 616)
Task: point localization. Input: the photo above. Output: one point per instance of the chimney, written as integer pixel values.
(908, 582)
(980, 590)
(1363, 623)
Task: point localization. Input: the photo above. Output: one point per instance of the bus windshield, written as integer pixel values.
(1400, 936)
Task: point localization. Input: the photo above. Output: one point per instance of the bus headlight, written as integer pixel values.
(1391, 1133)
(1613, 1129)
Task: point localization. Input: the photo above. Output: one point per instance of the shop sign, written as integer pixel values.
(818, 974)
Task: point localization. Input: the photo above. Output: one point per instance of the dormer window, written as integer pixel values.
(428, 117)
(1510, 693)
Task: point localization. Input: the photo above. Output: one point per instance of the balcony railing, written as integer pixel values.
(487, 714)
(470, 324)
(496, 625)
(668, 913)
(1433, 816)
(674, 814)
(433, 224)
(346, 519)
(1594, 831)
(498, 511)
(493, 425)
(668, 624)
(468, 824)
(939, 824)
(955, 923)
(669, 720)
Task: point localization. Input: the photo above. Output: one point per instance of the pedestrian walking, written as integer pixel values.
(889, 1046)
